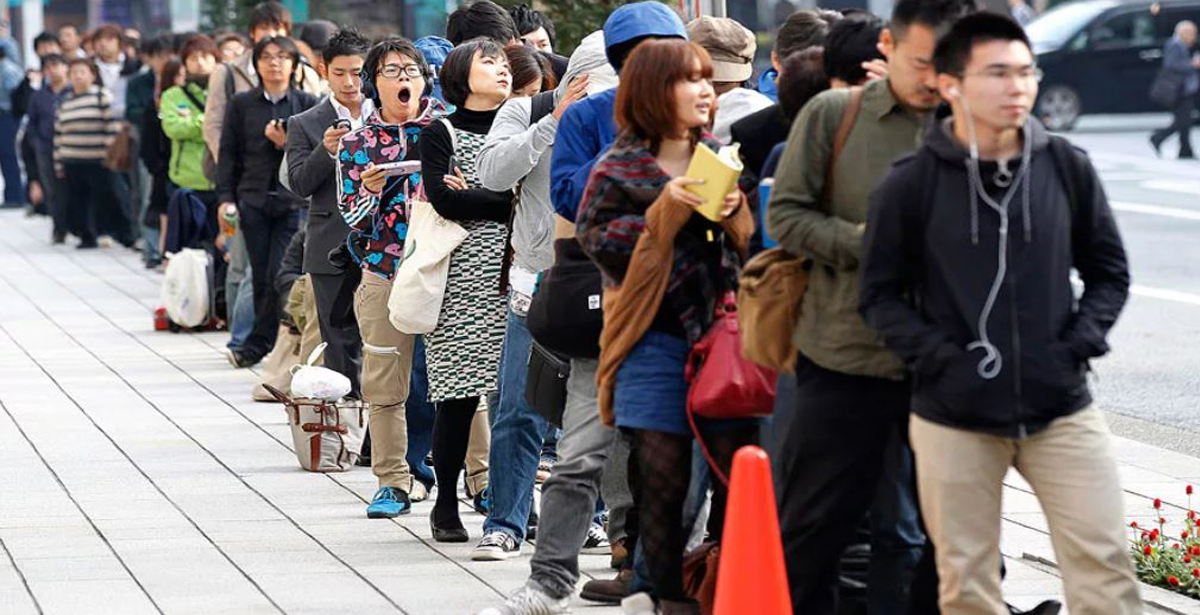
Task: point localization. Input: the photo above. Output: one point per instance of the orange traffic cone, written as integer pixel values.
(752, 578)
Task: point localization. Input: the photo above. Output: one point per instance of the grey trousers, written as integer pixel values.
(585, 453)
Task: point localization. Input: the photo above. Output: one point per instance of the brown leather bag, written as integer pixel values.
(119, 155)
(772, 284)
(700, 575)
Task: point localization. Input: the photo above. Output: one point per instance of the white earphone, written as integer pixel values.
(954, 91)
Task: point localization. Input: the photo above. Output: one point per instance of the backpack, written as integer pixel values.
(184, 292)
(772, 284)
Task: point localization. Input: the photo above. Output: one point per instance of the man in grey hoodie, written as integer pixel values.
(517, 151)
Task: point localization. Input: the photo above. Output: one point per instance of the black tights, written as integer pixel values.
(664, 471)
(451, 434)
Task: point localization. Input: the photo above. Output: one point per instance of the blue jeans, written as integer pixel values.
(517, 432)
(419, 413)
(241, 310)
(896, 535)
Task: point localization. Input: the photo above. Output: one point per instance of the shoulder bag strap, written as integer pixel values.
(849, 118)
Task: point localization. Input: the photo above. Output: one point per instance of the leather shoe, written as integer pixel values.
(619, 555)
(610, 591)
(1048, 607)
(450, 534)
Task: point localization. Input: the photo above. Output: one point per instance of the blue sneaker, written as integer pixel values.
(389, 502)
(483, 501)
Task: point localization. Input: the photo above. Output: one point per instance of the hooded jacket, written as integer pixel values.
(587, 128)
(183, 122)
(518, 151)
(936, 284)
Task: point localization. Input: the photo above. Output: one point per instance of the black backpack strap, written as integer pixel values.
(541, 105)
(1070, 167)
(192, 97)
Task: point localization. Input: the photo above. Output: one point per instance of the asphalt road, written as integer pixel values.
(1150, 382)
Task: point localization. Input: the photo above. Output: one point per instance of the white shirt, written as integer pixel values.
(110, 77)
(343, 112)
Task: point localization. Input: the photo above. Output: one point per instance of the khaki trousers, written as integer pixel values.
(302, 305)
(479, 448)
(386, 370)
(1071, 469)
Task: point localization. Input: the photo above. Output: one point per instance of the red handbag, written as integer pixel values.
(724, 384)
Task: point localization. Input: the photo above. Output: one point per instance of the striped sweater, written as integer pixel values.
(85, 126)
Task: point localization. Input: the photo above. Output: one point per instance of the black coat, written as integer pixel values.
(758, 133)
(926, 276)
(248, 165)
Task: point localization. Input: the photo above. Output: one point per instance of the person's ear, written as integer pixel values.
(887, 43)
(950, 87)
(775, 62)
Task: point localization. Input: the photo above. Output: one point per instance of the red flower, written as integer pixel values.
(1187, 559)
(1196, 550)
(1173, 580)
(1196, 572)
(1157, 503)
(1145, 535)
(1175, 546)
(1162, 520)
(1189, 490)
(1185, 534)
(1134, 523)
(1191, 515)
(1147, 550)
(1153, 534)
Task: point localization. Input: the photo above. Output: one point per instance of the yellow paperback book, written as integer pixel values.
(720, 171)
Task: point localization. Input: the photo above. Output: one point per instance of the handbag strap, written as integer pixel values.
(712, 464)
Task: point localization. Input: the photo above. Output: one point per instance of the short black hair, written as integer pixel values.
(851, 42)
(802, 77)
(317, 34)
(52, 58)
(89, 64)
(269, 14)
(379, 52)
(45, 37)
(953, 51)
(158, 45)
(481, 19)
(346, 42)
(286, 44)
(803, 29)
(937, 15)
(456, 70)
(528, 20)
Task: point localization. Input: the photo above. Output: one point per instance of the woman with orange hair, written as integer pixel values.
(636, 209)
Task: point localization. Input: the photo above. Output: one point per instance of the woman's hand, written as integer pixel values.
(575, 92)
(677, 190)
(373, 179)
(733, 200)
(455, 181)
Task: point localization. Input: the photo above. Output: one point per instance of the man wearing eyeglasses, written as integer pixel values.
(966, 274)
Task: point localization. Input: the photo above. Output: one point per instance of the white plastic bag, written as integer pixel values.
(184, 291)
(315, 382)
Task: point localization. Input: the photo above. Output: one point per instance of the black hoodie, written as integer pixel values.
(932, 258)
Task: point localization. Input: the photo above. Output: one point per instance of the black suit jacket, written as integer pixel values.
(758, 133)
(312, 173)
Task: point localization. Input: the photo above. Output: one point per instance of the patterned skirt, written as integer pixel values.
(463, 351)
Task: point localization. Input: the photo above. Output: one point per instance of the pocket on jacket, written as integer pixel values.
(958, 386)
(1053, 377)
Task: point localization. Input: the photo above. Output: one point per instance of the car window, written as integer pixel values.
(1125, 30)
(1169, 17)
(1054, 27)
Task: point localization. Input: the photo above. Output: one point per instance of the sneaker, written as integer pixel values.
(609, 591)
(597, 541)
(483, 502)
(242, 360)
(420, 492)
(389, 502)
(543, 470)
(104, 241)
(639, 604)
(530, 601)
(496, 547)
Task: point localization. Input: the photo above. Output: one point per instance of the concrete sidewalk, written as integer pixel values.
(137, 476)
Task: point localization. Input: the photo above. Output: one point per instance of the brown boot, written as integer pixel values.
(608, 591)
(671, 607)
(619, 554)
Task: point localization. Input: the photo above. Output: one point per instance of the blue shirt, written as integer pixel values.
(584, 134)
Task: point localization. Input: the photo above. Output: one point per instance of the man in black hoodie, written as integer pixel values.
(966, 274)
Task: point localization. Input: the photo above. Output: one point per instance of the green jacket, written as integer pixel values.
(183, 123)
(830, 331)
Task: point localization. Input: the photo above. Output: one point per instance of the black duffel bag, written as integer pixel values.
(546, 384)
(565, 315)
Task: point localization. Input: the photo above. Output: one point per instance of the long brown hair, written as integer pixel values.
(645, 103)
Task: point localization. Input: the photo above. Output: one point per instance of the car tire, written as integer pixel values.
(1059, 108)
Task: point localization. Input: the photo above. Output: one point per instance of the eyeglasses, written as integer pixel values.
(1024, 74)
(269, 57)
(393, 71)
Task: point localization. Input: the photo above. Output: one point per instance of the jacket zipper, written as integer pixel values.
(1016, 344)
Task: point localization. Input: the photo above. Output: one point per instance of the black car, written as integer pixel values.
(1100, 56)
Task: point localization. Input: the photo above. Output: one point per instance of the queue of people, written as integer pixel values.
(938, 341)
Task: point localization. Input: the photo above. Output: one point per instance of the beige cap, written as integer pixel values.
(729, 43)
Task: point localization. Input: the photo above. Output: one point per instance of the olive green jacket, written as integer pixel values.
(829, 231)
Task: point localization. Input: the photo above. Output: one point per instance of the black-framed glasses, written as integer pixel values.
(393, 71)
